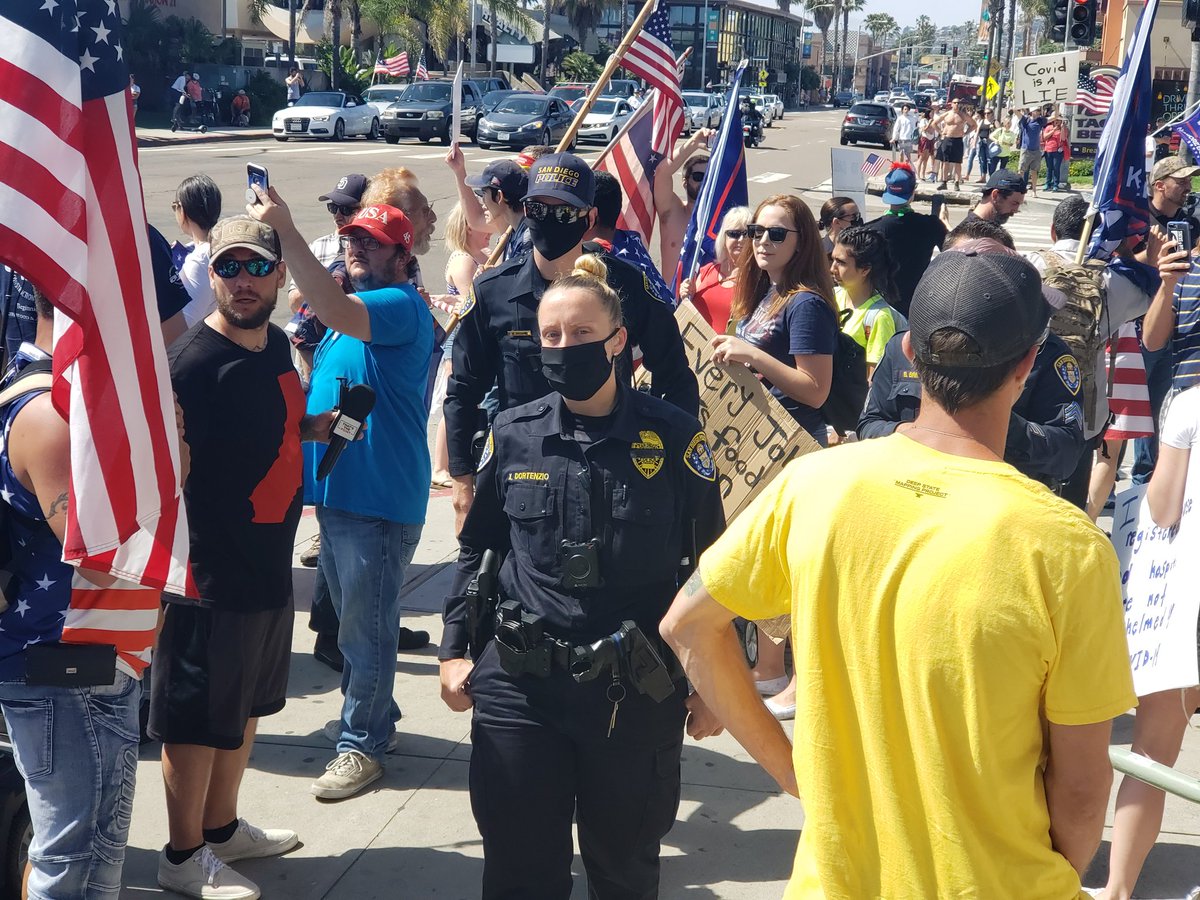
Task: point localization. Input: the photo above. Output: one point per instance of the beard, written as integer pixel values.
(392, 273)
(251, 321)
(692, 191)
(421, 243)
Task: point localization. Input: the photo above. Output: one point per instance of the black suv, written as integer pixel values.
(870, 123)
(423, 111)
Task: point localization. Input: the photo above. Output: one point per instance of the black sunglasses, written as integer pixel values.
(336, 209)
(367, 243)
(258, 267)
(855, 219)
(490, 190)
(697, 177)
(736, 234)
(776, 234)
(563, 215)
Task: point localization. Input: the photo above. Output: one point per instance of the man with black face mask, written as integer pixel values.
(498, 343)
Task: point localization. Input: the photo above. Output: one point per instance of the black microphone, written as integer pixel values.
(354, 408)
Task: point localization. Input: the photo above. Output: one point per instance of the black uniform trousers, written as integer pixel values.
(540, 756)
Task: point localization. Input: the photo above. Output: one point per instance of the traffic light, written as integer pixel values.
(1059, 13)
(1083, 22)
(954, 50)
(943, 49)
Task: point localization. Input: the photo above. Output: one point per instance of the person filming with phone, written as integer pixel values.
(371, 507)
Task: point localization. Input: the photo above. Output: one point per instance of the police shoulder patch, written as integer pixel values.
(698, 457)
(647, 453)
(651, 289)
(466, 304)
(489, 450)
(1068, 373)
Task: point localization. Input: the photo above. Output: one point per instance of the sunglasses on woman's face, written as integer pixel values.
(697, 177)
(563, 215)
(228, 267)
(336, 209)
(735, 234)
(776, 234)
(854, 219)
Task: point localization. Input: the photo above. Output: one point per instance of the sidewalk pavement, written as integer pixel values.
(411, 835)
(162, 137)
(971, 192)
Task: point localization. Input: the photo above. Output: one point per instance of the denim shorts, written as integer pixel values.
(76, 748)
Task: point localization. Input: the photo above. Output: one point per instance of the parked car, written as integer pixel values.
(923, 101)
(332, 115)
(381, 96)
(487, 85)
(524, 119)
(492, 98)
(704, 109)
(843, 98)
(605, 119)
(619, 87)
(569, 92)
(777, 102)
(423, 111)
(882, 97)
(869, 123)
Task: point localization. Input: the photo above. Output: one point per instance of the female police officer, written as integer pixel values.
(595, 496)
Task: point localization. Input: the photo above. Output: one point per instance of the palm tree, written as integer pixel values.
(925, 30)
(879, 26)
(849, 6)
(822, 15)
(448, 20)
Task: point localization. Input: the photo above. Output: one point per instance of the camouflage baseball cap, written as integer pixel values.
(243, 231)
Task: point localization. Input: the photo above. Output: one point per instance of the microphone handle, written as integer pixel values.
(332, 452)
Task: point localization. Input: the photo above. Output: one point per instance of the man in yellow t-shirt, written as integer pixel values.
(954, 708)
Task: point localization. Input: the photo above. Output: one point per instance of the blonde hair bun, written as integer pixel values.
(590, 266)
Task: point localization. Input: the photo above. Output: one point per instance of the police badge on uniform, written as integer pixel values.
(1068, 372)
(466, 304)
(699, 458)
(647, 454)
(489, 450)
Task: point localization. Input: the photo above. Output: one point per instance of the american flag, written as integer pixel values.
(396, 66)
(422, 72)
(632, 158)
(72, 220)
(1095, 95)
(651, 57)
(874, 165)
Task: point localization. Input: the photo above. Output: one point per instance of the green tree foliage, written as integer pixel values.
(880, 26)
(355, 76)
(578, 66)
(266, 96)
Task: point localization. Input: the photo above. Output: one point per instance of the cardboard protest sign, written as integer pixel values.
(751, 435)
(1158, 590)
(1050, 78)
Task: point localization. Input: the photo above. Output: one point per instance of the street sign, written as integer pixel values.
(993, 87)
(713, 26)
(762, 77)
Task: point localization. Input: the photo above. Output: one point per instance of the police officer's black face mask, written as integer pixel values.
(553, 239)
(579, 371)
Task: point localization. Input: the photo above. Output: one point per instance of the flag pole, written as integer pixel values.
(613, 62)
(1191, 108)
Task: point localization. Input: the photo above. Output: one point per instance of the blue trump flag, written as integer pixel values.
(724, 188)
(1120, 196)
(1189, 132)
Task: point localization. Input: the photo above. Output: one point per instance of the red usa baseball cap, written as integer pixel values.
(386, 224)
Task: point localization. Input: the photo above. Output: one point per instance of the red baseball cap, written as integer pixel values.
(386, 224)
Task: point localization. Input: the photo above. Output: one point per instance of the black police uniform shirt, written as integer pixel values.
(241, 416)
(498, 343)
(911, 237)
(1045, 430)
(641, 481)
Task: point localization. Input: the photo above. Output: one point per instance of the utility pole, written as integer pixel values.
(704, 51)
(292, 32)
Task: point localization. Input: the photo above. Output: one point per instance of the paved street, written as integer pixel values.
(412, 835)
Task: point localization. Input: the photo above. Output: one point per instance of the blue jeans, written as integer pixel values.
(76, 748)
(1054, 161)
(364, 559)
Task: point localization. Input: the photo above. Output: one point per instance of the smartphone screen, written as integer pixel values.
(255, 175)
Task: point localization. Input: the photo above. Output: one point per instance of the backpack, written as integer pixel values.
(33, 379)
(1078, 322)
(848, 392)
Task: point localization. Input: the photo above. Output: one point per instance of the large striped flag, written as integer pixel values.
(72, 220)
(651, 57)
(380, 66)
(1095, 94)
(632, 158)
(724, 187)
(422, 72)
(397, 66)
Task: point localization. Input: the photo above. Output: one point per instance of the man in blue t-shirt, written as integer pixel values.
(1029, 143)
(371, 507)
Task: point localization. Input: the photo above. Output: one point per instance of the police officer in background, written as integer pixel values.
(497, 341)
(1045, 430)
(594, 497)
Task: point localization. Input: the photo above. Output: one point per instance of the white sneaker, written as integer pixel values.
(346, 776)
(772, 686)
(333, 734)
(252, 842)
(205, 877)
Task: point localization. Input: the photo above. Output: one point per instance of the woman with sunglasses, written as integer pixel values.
(197, 206)
(837, 213)
(783, 303)
(711, 291)
(590, 495)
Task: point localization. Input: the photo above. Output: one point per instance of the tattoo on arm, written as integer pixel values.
(58, 506)
(693, 585)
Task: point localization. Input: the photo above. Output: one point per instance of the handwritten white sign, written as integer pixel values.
(1051, 78)
(1158, 588)
(456, 107)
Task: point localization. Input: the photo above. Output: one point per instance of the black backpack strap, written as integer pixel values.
(33, 379)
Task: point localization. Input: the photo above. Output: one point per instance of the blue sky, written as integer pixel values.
(905, 12)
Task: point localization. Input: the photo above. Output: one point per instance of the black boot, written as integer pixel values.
(412, 640)
(326, 651)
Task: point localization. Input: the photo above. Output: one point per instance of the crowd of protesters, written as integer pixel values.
(956, 627)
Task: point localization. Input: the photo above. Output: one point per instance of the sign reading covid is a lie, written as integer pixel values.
(1158, 590)
(1049, 78)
